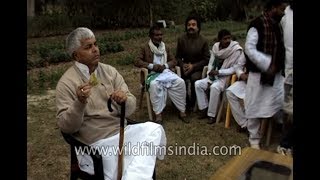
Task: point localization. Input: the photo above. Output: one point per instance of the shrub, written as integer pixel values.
(127, 60)
(48, 25)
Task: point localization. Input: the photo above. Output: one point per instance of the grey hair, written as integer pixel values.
(74, 38)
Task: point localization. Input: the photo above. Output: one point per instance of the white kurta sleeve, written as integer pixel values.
(211, 60)
(231, 70)
(239, 66)
(260, 59)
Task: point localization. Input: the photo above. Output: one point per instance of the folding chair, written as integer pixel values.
(143, 90)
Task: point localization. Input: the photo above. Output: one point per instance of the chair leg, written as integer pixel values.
(195, 108)
(74, 173)
(73, 176)
(141, 98)
(220, 110)
(266, 130)
(269, 131)
(149, 107)
(228, 116)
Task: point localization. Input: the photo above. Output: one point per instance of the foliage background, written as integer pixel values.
(54, 17)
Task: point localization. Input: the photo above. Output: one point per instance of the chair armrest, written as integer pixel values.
(131, 121)
(233, 78)
(178, 70)
(204, 72)
(72, 141)
(143, 74)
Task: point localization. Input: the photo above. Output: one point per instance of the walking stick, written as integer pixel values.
(121, 138)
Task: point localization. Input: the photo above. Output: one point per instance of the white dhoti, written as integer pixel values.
(235, 94)
(167, 83)
(143, 143)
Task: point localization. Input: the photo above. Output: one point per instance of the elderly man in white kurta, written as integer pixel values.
(226, 56)
(265, 49)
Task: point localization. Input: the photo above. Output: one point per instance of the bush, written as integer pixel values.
(81, 20)
(127, 60)
(48, 25)
(46, 54)
(106, 46)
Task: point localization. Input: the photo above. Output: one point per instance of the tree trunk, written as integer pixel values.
(30, 10)
(150, 13)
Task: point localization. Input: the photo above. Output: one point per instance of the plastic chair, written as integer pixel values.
(143, 90)
(228, 110)
(75, 171)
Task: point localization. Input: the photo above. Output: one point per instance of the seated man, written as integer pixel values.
(81, 99)
(192, 54)
(155, 57)
(227, 55)
(235, 95)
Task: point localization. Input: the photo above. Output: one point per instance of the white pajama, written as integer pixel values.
(254, 131)
(138, 160)
(215, 89)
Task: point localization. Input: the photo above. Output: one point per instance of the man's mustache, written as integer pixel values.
(191, 29)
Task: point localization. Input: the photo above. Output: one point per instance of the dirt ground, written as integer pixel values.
(48, 154)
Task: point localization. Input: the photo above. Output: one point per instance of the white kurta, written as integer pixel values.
(233, 58)
(287, 26)
(262, 101)
(143, 143)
